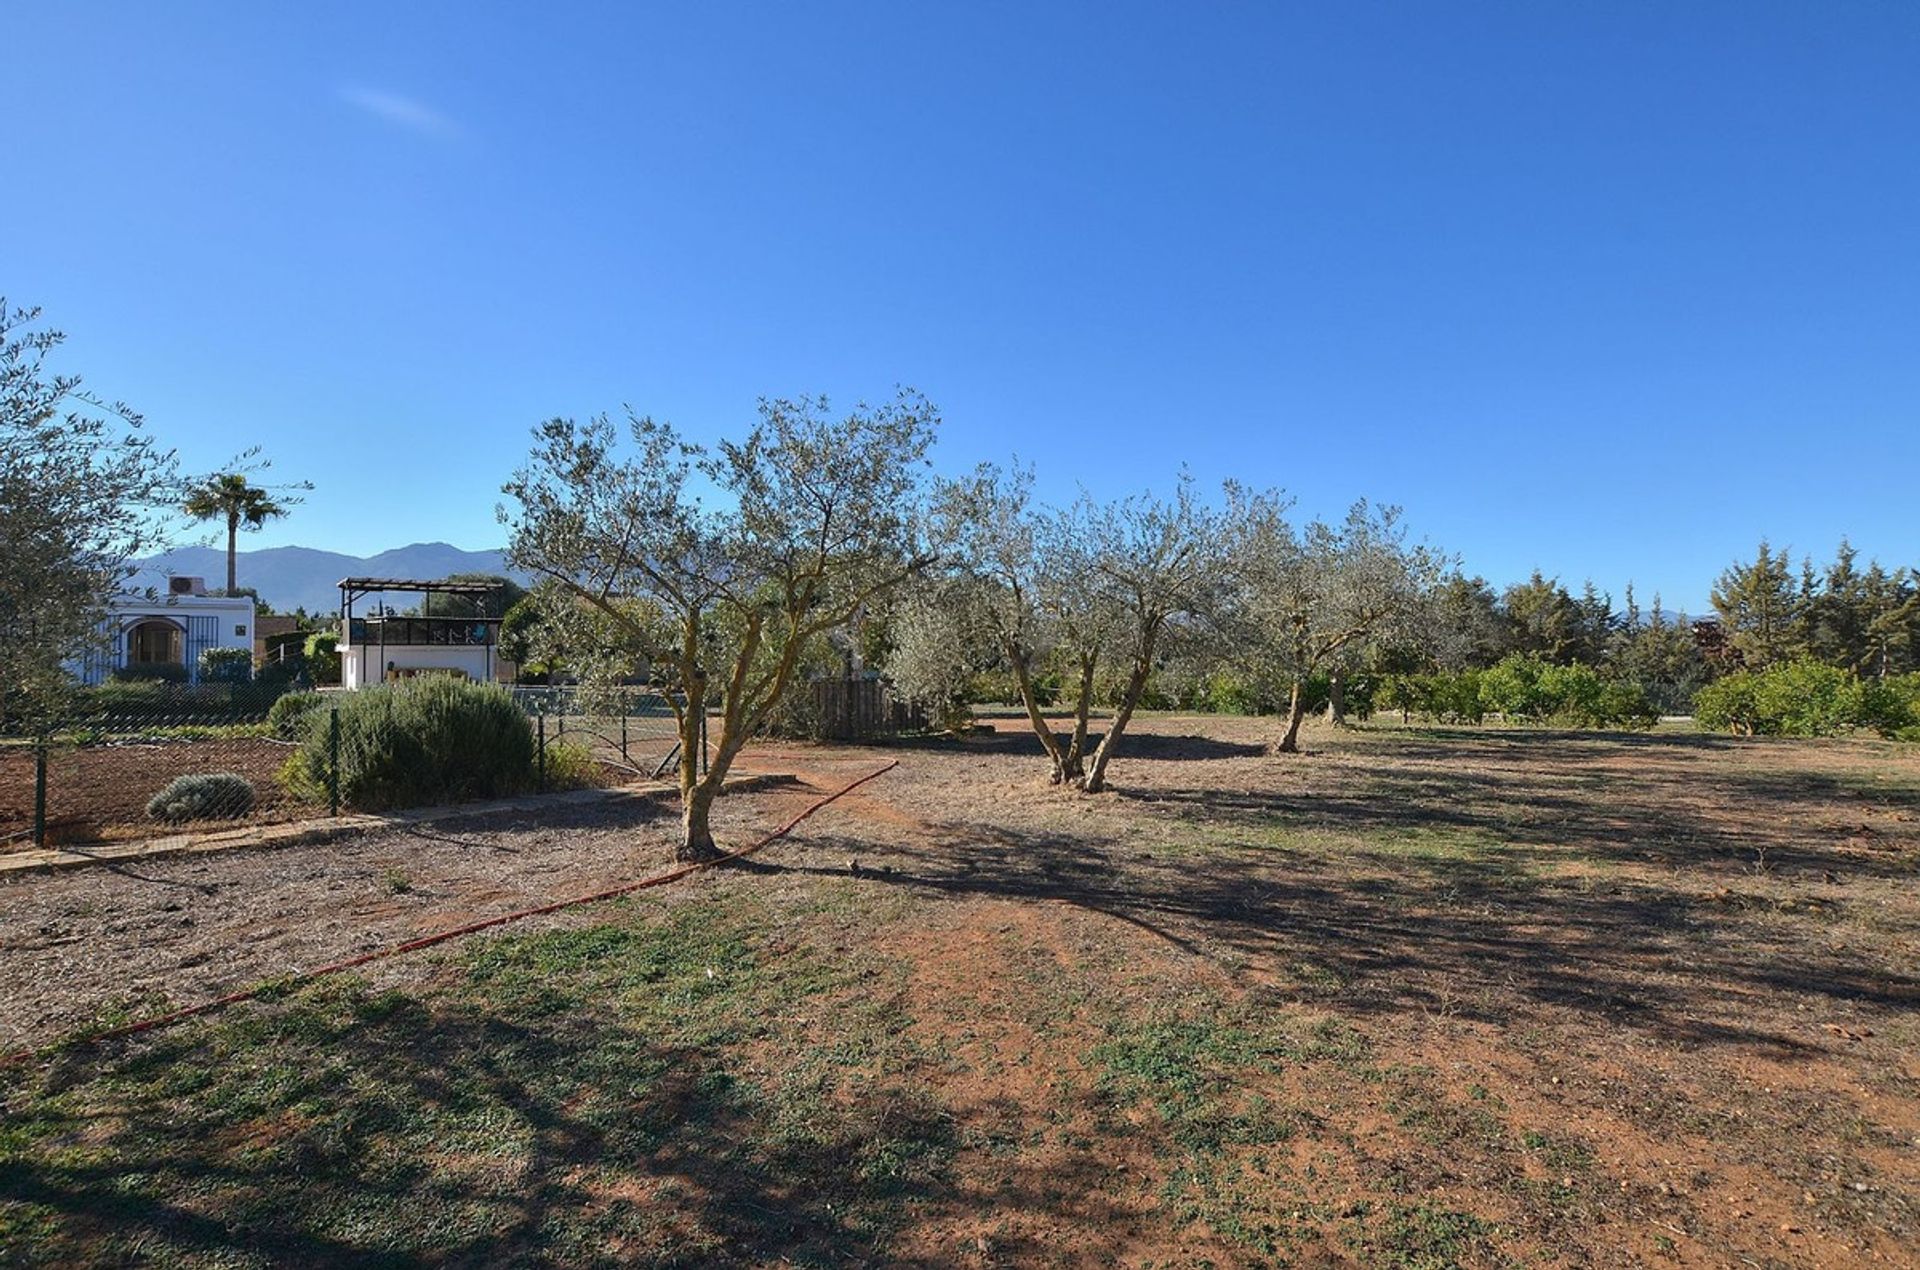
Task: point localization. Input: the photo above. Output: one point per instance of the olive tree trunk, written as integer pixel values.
(1136, 684)
(1337, 698)
(1296, 711)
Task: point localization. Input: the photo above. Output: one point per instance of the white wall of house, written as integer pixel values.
(363, 664)
(178, 628)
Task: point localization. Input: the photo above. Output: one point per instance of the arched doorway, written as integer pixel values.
(155, 642)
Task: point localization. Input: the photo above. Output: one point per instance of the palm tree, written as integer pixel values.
(228, 495)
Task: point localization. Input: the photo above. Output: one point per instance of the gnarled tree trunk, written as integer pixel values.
(1337, 698)
(1136, 684)
(1296, 711)
(696, 842)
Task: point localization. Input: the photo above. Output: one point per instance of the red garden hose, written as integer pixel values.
(441, 937)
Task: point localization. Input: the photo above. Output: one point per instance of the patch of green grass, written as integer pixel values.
(656, 1089)
(1426, 1237)
(1194, 1069)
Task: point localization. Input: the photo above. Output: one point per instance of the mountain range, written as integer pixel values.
(305, 577)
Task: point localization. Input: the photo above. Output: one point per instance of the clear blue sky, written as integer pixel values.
(1607, 289)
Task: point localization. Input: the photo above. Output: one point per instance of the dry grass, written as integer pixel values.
(1412, 999)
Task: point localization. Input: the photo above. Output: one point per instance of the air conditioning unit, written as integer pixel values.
(186, 586)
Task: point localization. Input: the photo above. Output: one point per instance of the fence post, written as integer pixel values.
(703, 738)
(624, 703)
(333, 759)
(40, 792)
(541, 745)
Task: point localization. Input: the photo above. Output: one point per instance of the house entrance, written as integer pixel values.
(155, 643)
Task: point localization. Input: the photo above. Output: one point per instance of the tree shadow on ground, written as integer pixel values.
(1534, 739)
(1463, 935)
(1134, 746)
(1722, 823)
(394, 1134)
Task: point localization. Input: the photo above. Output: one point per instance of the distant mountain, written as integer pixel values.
(295, 577)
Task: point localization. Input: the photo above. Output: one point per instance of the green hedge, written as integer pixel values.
(1524, 689)
(1809, 698)
(226, 666)
(153, 702)
(422, 741)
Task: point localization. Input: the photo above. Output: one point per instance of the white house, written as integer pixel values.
(386, 646)
(170, 630)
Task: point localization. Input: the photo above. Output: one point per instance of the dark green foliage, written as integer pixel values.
(1230, 692)
(1805, 697)
(1442, 696)
(504, 600)
(1526, 688)
(226, 666)
(1543, 619)
(323, 657)
(519, 629)
(157, 672)
(1521, 688)
(430, 740)
(147, 701)
(214, 796)
(1891, 706)
(292, 714)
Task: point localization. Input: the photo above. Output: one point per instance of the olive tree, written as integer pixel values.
(937, 645)
(1160, 562)
(1081, 590)
(1309, 600)
(714, 569)
(82, 493)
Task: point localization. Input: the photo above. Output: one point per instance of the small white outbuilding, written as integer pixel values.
(169, 630)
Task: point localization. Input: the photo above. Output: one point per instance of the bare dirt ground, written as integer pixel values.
(100, 792)
(106, 944)
(1412, 999)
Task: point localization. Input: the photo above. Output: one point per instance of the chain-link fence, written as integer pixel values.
(628, 729)
(141, 761)
(148, 761)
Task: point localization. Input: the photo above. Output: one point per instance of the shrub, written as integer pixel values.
(151, 702)
(1626, 705)
(214, 796)
(1512, 688)
(1228, 692)
(290, 715)
(1401, 694)
(1891, 707)
(1807, 698)
(226, 666)
(157, 672)
(323, 657)
(1729, 704)
(1456, 696)
(1524, 687)
(571, 765)
(422, 741)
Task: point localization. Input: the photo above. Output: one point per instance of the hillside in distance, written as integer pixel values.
(296, 577)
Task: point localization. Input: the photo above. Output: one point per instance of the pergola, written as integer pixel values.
(383, 630)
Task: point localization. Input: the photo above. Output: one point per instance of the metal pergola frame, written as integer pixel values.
(352, 589)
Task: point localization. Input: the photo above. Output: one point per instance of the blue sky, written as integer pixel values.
(1608, 290)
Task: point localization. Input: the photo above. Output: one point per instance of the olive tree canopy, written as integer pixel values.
(712, 569)
(1087, 591)
(82, 493)
(1309, 600)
